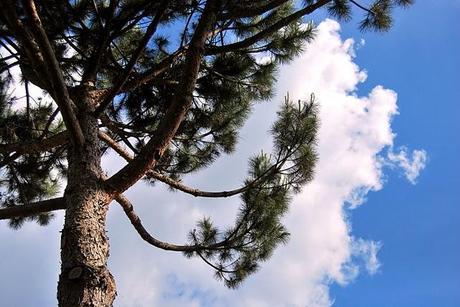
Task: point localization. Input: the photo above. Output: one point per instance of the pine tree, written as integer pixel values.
(166, 85)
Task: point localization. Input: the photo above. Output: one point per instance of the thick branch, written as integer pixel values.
(32, 208)
(145, 235)
(55, 74)
(178, 185)
(180, 104)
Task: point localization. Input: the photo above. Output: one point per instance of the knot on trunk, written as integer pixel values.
(75, 273)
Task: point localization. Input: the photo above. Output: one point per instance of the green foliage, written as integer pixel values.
(378, 16)
(235, 253)
(281, 46)
(29, 177)
(340, 9)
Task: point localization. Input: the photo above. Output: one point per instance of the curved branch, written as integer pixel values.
(33, 208)
(208, 194)
(213, 265)
(146, 236)
(180, 186)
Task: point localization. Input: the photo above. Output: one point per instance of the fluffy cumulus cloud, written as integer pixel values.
(354, 132)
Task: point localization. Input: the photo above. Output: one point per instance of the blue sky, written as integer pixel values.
(418, 225)
(383, 101)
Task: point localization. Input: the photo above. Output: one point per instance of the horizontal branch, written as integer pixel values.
(38, 146)
(33, 208)
(200, 193)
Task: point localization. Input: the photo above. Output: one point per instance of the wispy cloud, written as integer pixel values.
(410, 163)
(367, 251)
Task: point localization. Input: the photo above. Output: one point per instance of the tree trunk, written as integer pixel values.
(85, 279)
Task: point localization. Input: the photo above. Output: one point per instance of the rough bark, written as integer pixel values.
(85, 279)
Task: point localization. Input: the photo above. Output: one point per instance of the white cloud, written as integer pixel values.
(410, 164)
(367, 250)
(322, 250)
(354, 131)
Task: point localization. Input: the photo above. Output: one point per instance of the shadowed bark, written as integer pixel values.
(85, 279)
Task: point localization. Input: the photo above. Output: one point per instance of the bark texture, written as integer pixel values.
(85, 279)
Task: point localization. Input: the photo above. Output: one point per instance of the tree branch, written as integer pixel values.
(94, 61)
(35, 147)
(135, 57)
(179, 106)
(211, 50)
(30, 54)
(178, 185)
(8, 66)
(115, 129)
(147, 237)
(33, 208)
(145, 77)
(250, 11)
(362, 7)
(55, 75)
